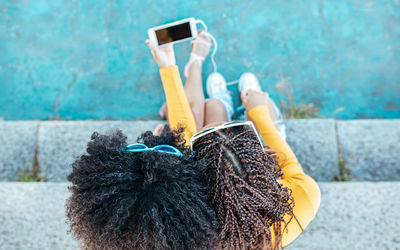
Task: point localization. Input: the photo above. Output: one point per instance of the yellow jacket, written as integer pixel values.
(305, 190)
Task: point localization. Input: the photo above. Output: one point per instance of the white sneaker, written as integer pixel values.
(248, 81)
(216, 89)
(215, 85)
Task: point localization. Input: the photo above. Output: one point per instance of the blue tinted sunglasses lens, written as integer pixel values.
(135, 147)
(166, 149)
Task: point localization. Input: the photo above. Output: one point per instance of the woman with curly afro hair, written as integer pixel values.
(202, 182)
(147, 200)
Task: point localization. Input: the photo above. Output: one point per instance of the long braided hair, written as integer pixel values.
(242, 179)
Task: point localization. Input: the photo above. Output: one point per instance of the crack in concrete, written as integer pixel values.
(107, 22)
(344, 173)
(71, 84)
(35, 164)
(57, 116)
(31, 78)
(321, 15)
(321, 73)
(131, 13)
(57, 102)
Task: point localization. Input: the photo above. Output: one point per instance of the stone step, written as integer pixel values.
(352, 215)
(369, 147)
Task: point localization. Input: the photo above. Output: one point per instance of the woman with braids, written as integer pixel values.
(220, 188)
(261, 196)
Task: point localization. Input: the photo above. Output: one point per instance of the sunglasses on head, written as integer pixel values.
(139, 147)
(210, 130)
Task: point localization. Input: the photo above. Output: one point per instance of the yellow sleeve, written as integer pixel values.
(179, 111)
(305, 191)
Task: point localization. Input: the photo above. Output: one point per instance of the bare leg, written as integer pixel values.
(194, 84)
(194, 93)
(215, 113)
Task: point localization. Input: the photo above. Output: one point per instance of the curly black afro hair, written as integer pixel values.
(147, 200)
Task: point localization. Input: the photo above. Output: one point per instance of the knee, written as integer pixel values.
(214, 104)
(216, 108)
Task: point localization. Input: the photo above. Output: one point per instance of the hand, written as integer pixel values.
(158, 130)
(252, 99)
(164, 56)
(201, 44)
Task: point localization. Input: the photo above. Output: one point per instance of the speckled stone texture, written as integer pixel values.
(371, 148)
(355, 215)
(61, 142)
(32, 216)
(351, 216)
(17, 148)
(314, 143)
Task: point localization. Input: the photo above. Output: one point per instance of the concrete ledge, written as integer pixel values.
(32, 216)
(355, 215)
(61, 142)
(17, 147)
(314, 143)
(371, 148)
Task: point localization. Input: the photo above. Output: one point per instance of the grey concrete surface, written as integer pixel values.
(352, 215)
(61, 142)
(314, 143)
(371, 148)
(17, 148)
(355, 215)
(32, 216)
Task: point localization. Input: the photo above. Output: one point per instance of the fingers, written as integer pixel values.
(204, 35)
(158, 130)
(150, 44)
(151, 47)
(163, 55)
(168, 47)
(254, 92)
(244, 96)
(202, 39)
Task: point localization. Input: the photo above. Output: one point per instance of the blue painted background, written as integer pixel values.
(87, 59)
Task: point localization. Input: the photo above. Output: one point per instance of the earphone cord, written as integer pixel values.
(215, 44)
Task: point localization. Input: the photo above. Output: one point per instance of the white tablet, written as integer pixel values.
(175, 32)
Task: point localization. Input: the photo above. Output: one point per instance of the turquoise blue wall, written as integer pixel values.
(87, 59)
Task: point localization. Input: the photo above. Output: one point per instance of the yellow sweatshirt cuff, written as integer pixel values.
(259, 112)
